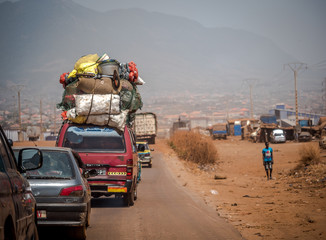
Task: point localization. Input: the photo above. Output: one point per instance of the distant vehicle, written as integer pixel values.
(50, 138)
(62, 193)
(144, 153)
(112, 153)
(33, 133)
(145, 127)
(17, 204)
(304, 137)
(277, 136)
(219, 131)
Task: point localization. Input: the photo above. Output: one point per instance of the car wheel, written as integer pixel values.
(128, 198)
(88, 217)
(32, 232)
(135, 194)
(80, 232)
(9, 231)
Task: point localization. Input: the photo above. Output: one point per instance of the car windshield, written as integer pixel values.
(56, 165)
(279, 134)
(94, 139)
(143, 144)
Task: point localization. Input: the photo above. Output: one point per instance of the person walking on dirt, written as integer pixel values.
(268, 160)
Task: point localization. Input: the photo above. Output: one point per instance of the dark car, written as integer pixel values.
(17, 204)
(111, 152)
(61, 191)
(304, 137)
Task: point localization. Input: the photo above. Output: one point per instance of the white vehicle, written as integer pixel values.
(277, 136)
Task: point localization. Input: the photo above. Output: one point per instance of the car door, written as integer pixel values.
(6, 204)
(16, 183)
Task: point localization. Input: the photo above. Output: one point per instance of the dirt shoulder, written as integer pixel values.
(287, 207)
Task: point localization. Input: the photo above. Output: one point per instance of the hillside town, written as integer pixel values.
(200, 110)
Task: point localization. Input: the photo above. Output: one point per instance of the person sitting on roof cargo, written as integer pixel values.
(268, 160)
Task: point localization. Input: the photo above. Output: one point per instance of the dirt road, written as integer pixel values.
(287, 207)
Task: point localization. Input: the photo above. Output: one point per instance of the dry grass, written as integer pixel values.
(309, 155)
(194, 147)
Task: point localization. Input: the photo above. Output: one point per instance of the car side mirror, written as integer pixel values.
(29, 159)
(152, 149)
(11, 143)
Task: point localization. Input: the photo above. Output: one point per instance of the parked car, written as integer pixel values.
(304, 137)
(61, 191)
(277, 136)
(111, 152)
(144, 153)
(17, 204)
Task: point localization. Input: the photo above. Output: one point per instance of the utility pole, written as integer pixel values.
(18, 88)
(251, 82)
(41, 122)
(295, 67)
(324, 95)
(54, 119)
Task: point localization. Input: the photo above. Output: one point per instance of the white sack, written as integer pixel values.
(115, 121)
(102, 104)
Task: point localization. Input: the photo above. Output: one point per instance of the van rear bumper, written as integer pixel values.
(109, 188)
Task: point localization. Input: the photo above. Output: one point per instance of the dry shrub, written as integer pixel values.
(309, 155)
(194, 147)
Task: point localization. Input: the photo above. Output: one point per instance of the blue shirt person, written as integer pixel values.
(268, 160)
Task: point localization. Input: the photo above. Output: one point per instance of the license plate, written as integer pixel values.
(41, 214)
(117, 190)
(101, 171)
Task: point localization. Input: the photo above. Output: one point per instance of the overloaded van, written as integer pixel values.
(277, 136)
(111, 152)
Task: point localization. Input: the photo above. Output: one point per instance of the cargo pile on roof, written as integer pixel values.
(101, 91)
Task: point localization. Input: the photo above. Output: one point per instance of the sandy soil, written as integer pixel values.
(287, 207)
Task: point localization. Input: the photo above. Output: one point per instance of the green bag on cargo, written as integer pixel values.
(130, 100)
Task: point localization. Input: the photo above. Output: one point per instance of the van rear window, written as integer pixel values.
(94, 139)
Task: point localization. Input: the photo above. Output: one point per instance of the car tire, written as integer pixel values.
(135, 194)
(9, 231)
(150, 165)
(80, 232)
(128, 198)
(32, 232)
(88, 217)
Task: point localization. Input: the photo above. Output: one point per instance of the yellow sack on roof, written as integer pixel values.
(85, 64)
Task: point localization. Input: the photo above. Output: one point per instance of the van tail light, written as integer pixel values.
(74, 191)
(130, 163)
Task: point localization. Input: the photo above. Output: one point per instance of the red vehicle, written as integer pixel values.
(111, 152)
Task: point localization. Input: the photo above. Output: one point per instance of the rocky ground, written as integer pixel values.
(290, 206)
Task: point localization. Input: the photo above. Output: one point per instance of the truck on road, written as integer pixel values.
(33, 133)
(219, 131)
(145, 127)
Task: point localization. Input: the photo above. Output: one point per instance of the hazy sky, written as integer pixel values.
(297, 26)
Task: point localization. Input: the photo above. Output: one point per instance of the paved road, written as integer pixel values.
(163, 210)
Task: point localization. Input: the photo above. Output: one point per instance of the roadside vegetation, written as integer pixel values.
(309, 155)
(311, 167)
(194, 147)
